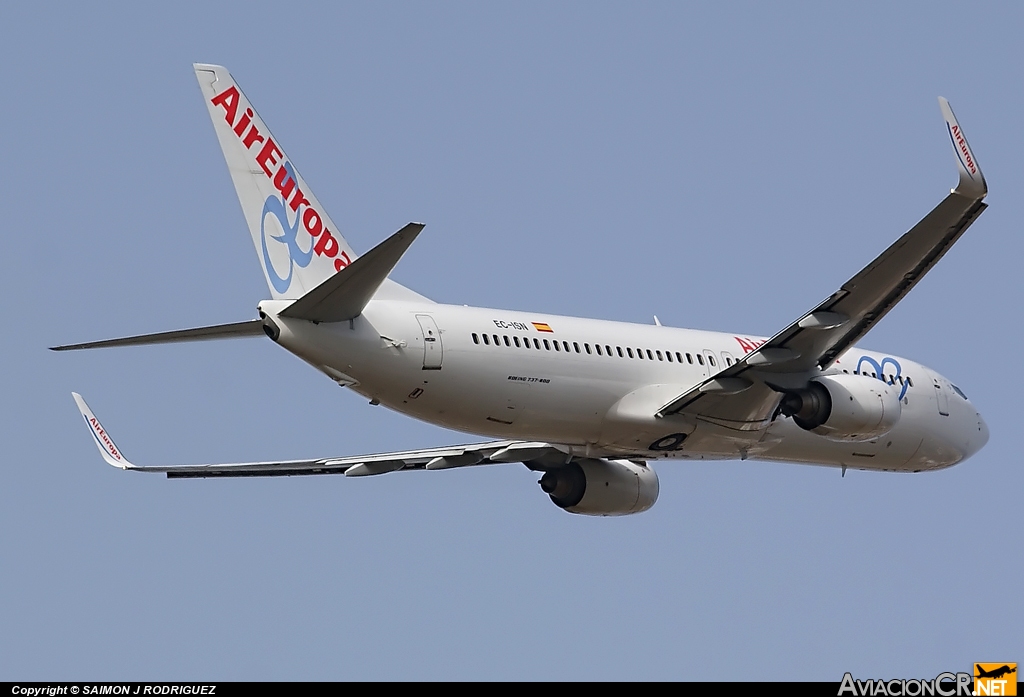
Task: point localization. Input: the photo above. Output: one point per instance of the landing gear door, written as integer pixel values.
(432, 349)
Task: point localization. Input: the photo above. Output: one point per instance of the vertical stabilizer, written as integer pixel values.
(298, 244)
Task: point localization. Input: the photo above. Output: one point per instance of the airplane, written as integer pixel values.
(586, 403)
(996, 672)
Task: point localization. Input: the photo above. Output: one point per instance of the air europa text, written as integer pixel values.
(269, 158)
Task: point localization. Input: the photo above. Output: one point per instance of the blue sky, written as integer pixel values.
(722, 166)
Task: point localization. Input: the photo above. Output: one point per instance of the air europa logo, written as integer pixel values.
(101, 437)
(290, 202)
(748, 344)
(962, 151)
(879, 369)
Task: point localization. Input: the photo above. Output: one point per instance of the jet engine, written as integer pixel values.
(843, 407)
(602, 487)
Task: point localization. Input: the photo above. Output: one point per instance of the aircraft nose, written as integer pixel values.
(978, 437)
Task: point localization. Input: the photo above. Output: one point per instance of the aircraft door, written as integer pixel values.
(712, 364)
(941, 396)
(432, 348)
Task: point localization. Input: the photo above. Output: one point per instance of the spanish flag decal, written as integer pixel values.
(543, 327)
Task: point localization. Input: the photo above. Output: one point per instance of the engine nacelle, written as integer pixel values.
(843, 407)
(602, 487)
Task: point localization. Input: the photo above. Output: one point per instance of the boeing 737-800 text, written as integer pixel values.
(585, 402)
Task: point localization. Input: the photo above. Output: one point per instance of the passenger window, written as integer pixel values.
(640, 354)
(536, 344)
(516, 339)
(587, 347)
(679, 358)
(629, 351)
(576, 346)
(547, 346)
(557, 348)
(497, 341)
(668, 355)
(598, 348)
(608, 350)
(619, 349)
(650, 355)
(476, 339)
(486, 341)
(700, 358)
(711, 360)
(909, 381)
(689, 359)
(507, 343)
(565, 345)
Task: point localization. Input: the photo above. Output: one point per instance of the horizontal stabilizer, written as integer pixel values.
(344, 295)
(253, 327)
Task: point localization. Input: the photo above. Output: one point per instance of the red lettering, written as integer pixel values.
(228, 99)
(268, 156)
(746, 346)
(311, 220)
(282, 186)
(298, 199)
(253, 136)
(243, 122)
(342, 261)
(326, 245)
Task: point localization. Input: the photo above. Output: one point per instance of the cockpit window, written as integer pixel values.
(958, 391)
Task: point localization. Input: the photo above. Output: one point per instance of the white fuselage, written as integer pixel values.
(432, 362)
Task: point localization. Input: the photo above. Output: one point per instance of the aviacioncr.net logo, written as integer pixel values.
(943, 685)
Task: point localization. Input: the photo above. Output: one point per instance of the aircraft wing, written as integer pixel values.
(494, 452)
(739, 396)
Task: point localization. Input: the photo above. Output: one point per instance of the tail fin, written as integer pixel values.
(298, 244)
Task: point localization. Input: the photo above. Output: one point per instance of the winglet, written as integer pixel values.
(972, 181)
(110, 452)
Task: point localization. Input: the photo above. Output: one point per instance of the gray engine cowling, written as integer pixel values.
(843, 407)
(602, 487)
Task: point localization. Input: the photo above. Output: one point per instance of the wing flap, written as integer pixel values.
(356, 466)
(874, 291)
(814, 341)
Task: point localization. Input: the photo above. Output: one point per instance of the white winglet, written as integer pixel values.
(110, 452)
(972, 181)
